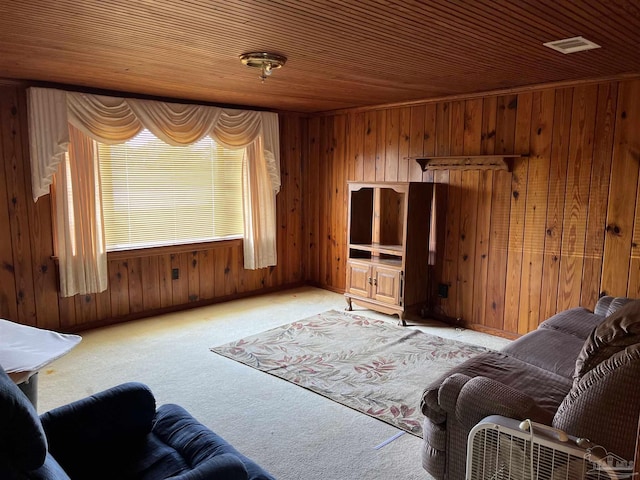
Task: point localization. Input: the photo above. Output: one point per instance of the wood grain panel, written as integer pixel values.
(326, 260)
(392, 146)
(67, 307)
(598, 194)
(404, 144)
(451, 305)
(164, 280)
(555, 204)
(206, 272)
(429, 145)
(506, 109)
(136, 302)
(193, 271)
(358, 146)
(517, 214)
(17, 199)
(338, 202)
(472, 140)
(103, 308)
(86, 308)
(416, 141)
(312, 206)
(536, 210)
(370, 152)
(8, 292)
(443, 128)
(469, 190)
(483, 228)
(291, 165)
(381, 145)
(623, 191)
(577, 196)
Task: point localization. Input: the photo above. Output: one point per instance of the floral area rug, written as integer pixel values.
(372, 366)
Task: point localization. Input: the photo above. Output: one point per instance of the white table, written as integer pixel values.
(25, 350)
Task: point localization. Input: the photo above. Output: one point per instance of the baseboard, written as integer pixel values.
(180, 308)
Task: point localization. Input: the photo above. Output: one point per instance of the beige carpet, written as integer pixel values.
(291, 431)
(370, 365)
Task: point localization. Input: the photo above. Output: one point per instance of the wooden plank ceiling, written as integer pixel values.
(341, 53)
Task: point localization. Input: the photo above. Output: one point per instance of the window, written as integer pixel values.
(154, 194)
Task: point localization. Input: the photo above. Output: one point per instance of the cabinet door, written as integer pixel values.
(359, 279)
(387, 285)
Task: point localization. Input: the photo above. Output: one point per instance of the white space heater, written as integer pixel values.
(501, 448)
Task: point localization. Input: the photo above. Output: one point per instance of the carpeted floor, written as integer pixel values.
(370, 365)
(294, 433)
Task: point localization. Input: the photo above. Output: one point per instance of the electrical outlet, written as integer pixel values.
(175, 273)
(443, 290)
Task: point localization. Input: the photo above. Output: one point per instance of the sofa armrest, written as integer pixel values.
(450, 390)
(110, 424)
(445, 390)
(480, 397)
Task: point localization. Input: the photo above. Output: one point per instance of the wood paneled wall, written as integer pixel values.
(139, 284)
(560, 229)
(557, 231)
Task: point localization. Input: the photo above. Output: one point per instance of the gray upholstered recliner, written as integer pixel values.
(578, 372)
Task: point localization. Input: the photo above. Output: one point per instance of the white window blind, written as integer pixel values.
(155, 194)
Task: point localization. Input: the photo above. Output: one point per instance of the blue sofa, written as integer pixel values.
(115, 434)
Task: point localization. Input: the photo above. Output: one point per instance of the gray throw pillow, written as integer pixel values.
(614, 334)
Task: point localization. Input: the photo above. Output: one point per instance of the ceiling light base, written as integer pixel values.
(266, 62)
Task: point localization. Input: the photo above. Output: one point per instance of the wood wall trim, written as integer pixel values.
(485, 94)
(177, 308)
(173, 249)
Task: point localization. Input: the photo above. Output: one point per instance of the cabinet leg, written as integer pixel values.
(402, 322)
(349, 307)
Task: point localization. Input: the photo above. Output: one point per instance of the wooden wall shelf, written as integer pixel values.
(466, 162)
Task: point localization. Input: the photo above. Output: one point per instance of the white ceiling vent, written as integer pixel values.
(572, 45)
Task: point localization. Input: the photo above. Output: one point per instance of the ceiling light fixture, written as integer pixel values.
(266, 62)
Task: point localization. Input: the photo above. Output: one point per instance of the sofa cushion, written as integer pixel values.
(26, 447)
(614, 334)
(552, 350)
(578, 321)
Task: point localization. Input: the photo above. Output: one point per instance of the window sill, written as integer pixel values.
(172, 249)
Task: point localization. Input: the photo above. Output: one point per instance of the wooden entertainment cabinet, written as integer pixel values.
(388, 246)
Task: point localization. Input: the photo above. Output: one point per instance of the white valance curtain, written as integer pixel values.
(53, 113)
